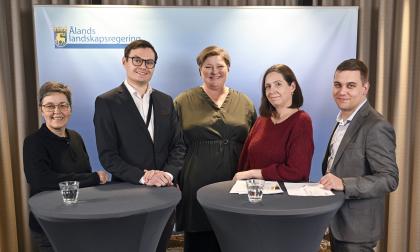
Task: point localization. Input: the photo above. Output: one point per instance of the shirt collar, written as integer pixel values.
(341, 121)
(133, 91)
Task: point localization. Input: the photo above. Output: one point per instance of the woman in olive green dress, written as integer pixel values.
(216, 120)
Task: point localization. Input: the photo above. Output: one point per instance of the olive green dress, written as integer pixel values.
(214, 137)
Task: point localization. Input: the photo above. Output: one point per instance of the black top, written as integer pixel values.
(49, 159)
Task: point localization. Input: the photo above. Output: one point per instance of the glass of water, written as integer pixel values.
(255, 189)
(69, 191)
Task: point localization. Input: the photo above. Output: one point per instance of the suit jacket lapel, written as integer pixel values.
(134, 113)
(351, 131)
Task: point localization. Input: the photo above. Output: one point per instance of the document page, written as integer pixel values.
(307, 189)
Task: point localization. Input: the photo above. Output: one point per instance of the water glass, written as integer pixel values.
(69, 191)
(255, 189)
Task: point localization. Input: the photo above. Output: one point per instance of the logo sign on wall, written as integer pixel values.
(83, 47)
(76, 37)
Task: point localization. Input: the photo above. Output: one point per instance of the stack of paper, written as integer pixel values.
(307, 189)
(270, 187)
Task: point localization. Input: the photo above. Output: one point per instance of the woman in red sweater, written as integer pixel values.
(280, 144)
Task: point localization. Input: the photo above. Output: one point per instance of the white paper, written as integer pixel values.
(270, 187)
(307, 189)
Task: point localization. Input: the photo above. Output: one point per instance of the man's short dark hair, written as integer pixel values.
(139, 44)
(354, 65)
(266, 109)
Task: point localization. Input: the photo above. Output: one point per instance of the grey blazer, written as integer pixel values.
(365, 160)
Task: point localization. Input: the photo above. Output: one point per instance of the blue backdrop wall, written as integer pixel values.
(82, 46)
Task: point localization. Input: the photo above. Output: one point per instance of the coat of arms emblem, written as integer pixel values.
(60, 36)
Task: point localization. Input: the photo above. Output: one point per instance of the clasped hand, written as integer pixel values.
(103, 177)
(156, 178)
(330, 181)
(254, 173)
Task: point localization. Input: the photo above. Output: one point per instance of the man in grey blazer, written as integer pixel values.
(360, 161)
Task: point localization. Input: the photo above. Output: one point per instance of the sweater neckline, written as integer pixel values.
(53, 136)
(213, 104)
(287, 119)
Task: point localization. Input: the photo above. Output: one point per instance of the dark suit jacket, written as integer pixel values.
(124, 144)
(365, 160)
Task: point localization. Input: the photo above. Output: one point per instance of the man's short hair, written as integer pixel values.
(139, 44)
(354, 65)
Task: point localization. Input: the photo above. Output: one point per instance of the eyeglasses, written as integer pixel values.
(137, 61)
(63, 107)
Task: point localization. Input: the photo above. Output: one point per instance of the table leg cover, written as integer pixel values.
(239, 233)
(136, 233)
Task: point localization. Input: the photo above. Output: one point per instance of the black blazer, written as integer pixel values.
(124, 144)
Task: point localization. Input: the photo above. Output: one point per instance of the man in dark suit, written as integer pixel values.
(360, 161)
(138, 135)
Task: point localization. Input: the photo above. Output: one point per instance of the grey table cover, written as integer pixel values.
(113, 217)
(279, 223)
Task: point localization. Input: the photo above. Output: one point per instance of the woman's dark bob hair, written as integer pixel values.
(266, 109)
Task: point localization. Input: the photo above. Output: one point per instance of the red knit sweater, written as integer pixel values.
(282, 151)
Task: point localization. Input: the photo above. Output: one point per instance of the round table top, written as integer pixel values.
(104, 201)
(216, 196)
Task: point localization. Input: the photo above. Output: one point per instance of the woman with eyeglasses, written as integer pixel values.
(215, 120)
(54, 153)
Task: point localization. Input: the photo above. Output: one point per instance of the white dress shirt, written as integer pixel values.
(142, 104)
(339, 134)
